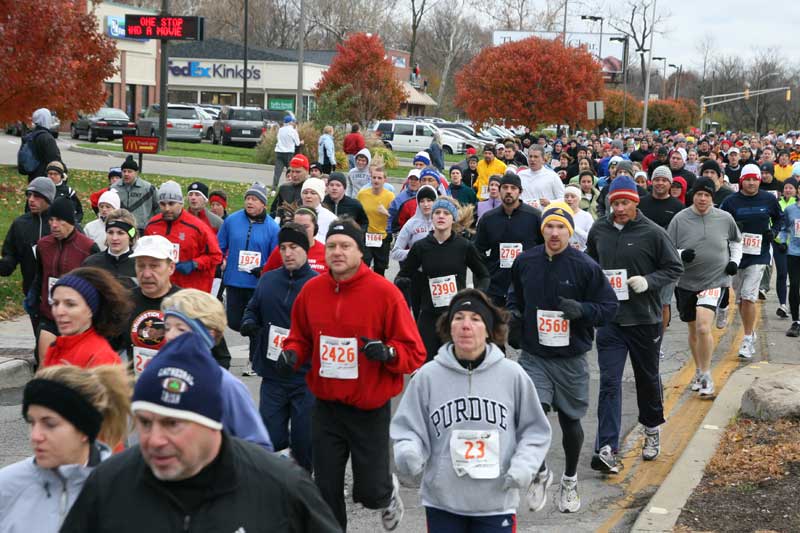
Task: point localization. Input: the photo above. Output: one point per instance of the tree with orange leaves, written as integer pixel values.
(54, 57)
(362, 79)
(529, 82)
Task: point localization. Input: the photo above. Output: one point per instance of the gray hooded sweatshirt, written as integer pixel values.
(415, 229)
(444, 398)
(358, 179)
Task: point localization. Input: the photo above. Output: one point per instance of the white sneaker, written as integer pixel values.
(537, 492)
(706, 385)
(746, 350)
(248, 371)
(722, 317)
(696, 380)
(393, 513)
(569, 501)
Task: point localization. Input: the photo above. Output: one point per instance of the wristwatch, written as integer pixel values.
(392, 352)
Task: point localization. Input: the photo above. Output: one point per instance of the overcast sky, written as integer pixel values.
(738, 27)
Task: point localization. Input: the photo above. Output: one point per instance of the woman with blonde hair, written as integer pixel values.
(76, 416)
(442, 257)
(199, 312)
(120, 239)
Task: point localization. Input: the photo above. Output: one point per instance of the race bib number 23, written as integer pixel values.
(476, 453)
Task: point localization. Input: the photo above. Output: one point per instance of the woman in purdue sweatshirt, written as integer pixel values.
(471, 423)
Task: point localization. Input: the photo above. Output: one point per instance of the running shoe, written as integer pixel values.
(746, 350)
(652, 444)
(393, 513)
(794, 330)
(722, 317)
(569, 501)
(537, 492)
(762, 294)
(782, 311)
(696, 380)
(707, 385)
(248, 371)
(606, 461)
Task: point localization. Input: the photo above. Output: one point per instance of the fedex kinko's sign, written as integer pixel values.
(196, 69)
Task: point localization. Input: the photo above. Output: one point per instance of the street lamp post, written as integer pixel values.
(624, 40)
(595, 18)
(677, 78)
(664, 77)
(244, 74)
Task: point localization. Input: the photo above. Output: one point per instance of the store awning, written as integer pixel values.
(415, 97)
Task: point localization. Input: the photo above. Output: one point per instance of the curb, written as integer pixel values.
(170, 159)
(14, 373)
(662, 511)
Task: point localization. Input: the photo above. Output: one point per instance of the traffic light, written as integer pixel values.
(703, 111)
(747, 93)
(788, 95)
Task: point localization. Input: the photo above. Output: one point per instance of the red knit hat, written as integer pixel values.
(299, 161)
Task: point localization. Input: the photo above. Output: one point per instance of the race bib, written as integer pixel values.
(476, 453)
(553, 328)
(338, 357)
(176, 252)
(751, 243)
(508, 252)
(484, 191)
(618, 279)
(709, 297)
(773, 193)
(374, 240)
(248, 260)
(276, 337)
(734, 187)
(142, 358)
(797, 228)
(51, 281)
(442, 290)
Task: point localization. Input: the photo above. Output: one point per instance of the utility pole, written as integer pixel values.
(244, 74)
(564, 27)
(162, 93)
(625, 42)
(300, 54)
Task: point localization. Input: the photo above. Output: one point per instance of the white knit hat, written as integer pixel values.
(111, 198)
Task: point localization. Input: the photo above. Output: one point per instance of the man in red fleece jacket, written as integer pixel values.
(355, 327)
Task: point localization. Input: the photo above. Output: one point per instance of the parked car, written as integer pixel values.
(207, 119)
(470, 138)
(411, 136)
(184, 122)
(213, 112)
(20, 128)
(106, 122)
(239, 125)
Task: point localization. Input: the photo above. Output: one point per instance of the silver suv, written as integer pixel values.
(184, 122)
(238, 125)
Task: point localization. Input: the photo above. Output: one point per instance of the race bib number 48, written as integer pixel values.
(751, 243)
(475, 453)
(508, 253)
(553, 328)
(338, 357)
(277, 335)
(618, 279)
(442, 290)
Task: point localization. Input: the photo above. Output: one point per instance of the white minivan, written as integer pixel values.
(411, 136)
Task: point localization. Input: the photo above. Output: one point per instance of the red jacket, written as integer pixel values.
(56, 258)
(353, 142)
(366, 305)
(316, 258)
(85, 350)
(197, 243)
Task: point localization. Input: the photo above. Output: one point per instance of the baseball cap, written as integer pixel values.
(154, 246)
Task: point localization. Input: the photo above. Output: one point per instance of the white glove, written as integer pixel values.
(637, 283)
(382, 210)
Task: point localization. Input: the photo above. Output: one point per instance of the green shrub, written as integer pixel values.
(389, 159)
(265, 150)
(341, 161)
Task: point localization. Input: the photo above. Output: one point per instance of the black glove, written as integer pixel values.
(256, 272)
(515, 330)
(249, 329)
(285, 364)
(376, 350)
(731, 269)
(781, 247)
(687, 255)
(768, 236)
(572, 309)
(403, 284)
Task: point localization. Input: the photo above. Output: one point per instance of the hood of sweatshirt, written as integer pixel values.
(365, 153)
(447, 358)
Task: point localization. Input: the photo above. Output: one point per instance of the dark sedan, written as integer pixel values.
(107, 122)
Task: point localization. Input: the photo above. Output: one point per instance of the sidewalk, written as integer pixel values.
(16, 352)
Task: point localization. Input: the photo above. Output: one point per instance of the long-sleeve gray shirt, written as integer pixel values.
(715, 240)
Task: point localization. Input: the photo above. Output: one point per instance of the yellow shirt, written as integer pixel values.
(484, 171)
(782, 173)
(370, 201)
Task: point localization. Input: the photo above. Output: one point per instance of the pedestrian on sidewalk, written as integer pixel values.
(559, 295)
(710, 247)
(286, 146)
(76, 416)
(354, 327)
(639, 260)
(476, 444)
(790, 233)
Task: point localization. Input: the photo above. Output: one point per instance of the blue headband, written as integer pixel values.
(84, 288)
(197, 327)
(444, 204)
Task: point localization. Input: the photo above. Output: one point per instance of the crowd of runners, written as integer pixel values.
(571, 242)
